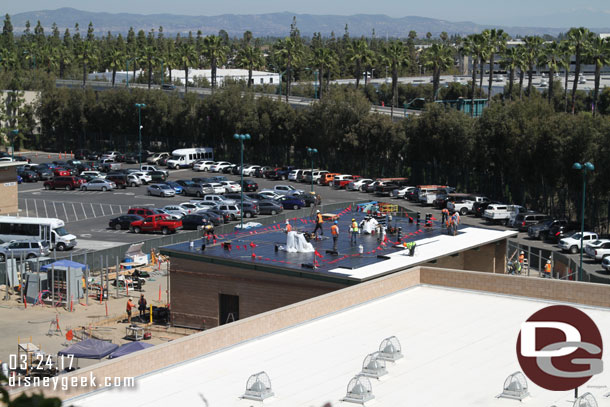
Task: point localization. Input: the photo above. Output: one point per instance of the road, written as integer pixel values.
(86, 213)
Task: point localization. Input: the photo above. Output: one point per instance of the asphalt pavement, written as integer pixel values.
(87, 213)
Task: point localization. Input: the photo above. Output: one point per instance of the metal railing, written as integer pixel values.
(562, 266)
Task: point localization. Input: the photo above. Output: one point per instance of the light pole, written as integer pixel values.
(140, 106)
(311, 152)
(241, 138)
(584, 168)
(13, 134)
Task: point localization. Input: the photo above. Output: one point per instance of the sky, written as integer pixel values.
(544, 13)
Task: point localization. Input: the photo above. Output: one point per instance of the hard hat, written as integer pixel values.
(130, 298)
(318, 211)
(336, 222)
(287, 221)
(521, 252)
(353, 219)
(548, 262)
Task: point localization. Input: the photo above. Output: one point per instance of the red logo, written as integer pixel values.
(560, 348)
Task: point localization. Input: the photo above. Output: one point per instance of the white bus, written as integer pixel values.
(48, 229)
(186, 157)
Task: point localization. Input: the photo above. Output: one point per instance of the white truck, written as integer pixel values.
(598, 250)
(500, 213)
(572, 244)
(465, 206)
(151, 168)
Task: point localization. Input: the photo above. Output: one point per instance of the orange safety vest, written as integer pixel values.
(547, 268)
(289, 228)
(319, 218)
(521, 258)
(334, 229)
(130, 305)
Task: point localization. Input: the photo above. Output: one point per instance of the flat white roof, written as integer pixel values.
(429, 249)
(458, 346)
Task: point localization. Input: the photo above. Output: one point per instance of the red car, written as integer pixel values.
(341, 181)
(156, 223)
(64, 182)
(60, 172)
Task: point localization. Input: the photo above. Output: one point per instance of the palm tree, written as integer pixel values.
(368, 60)
(116, 59)
(523, 66)
(438, 57)
(510, 61)
(474, 45)
(551, 57)
(8, 59)
(533, 46)
(357, 52)
(215, 52)
(251, 58)
(86, 56)
(187, 57)
(599, 55)
(290, 52)
(396, 56)
(567, 50)
(581, 39)
(496, 41)
(323, 58)
(65, 59)
(149, 56)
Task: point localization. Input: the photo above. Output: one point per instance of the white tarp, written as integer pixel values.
(296, 243)
(368, 225)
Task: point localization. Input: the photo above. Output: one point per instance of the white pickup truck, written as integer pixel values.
(500, 213)
(598, 249)
(465, 206)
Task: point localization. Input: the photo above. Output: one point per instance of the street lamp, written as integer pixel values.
(584, 168)
(140, 106)
(241, 138)
(311, 152)
(13, 134)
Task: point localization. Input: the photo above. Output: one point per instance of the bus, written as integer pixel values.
(186, 157)
(48, 229)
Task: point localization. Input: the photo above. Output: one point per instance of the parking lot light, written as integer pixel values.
(13, 134)
(584, 168)
(140, 106)
(311, 152)
(241, 138)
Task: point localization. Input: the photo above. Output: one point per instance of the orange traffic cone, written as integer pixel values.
(60, 156)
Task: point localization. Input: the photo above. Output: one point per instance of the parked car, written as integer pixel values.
(98, 184)
(327, 178)
(191, 188)
(226, 218)
(315, 176)
(499, 213)
(606, 264)
(152, 168)
(572, 244)
(141, 211)
(558, 232)
(236, 196)
(215, 188)
(260, 197)
(358, 185)
(68, 183)
(218, 199)
(260, 172)
(248, 171)
(370, 187)
(93, 174)
(250, 185)
(281, 173)
(124, 180)
(194, 221)
(28, 249)
(215, 218)
(161, 190)
(156, 223)
(295, 174)
(177, 187)
(341, 181)
(176, 210)
(250, 209)
(157, 176)
(156, 157)
(524, 220)
(291, 202)
(286, 189)
(598, 249)
(28, 175)
(541, 230)
(269, 207)
(270, 194)
(123, 222)
(310, 198)
(465, 206)
(388, 186)
(231, 210)
(219, 166)
(229, 169)
(144, 177)
(81, 154)
(203, 165)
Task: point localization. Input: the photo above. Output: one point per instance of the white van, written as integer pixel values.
(47, 229)
(186, 157)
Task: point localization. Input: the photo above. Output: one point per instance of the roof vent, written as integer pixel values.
(515, 387)
(373, 366)
(359, 390)
(390, 349)
(258, 387)
(586, 400)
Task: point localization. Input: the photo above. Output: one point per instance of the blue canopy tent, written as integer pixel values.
(65, 264)
(129, 348)
(89, 349)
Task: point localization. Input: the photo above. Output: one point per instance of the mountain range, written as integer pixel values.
(261, 25)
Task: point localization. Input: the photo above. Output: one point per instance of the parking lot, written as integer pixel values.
(87, 213)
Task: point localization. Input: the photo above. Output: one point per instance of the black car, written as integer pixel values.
(44, 171)
(93, 156)
(22, 158)
(250, 186)
(269, 207)
(200, 180)
(123, 222)
(226, 217)
(192, 222)
(229, 169)
(524, 220)
(28, 175)
(249, 209)
(214, 218)
(565, 229)
(541, 230)
(309, 198)
(163, 161)
(259, 172)
(81, 154)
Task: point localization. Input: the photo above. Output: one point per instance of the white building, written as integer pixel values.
(258, 77)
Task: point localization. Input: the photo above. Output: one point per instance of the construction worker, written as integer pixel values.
(319, 222)
(209, 231)
(142, 307)
(455, 221)
(354, 231)
(288, 226)
(334, 230)
(521, 260)
(128, 308)
(547, 270)
(445, 215)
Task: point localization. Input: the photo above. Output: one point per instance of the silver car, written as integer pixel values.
(27, 249)
(98, 185)
(161, 190)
